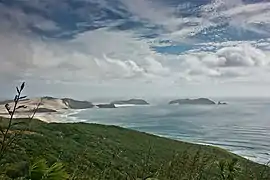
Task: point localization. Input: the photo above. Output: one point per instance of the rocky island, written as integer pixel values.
(106, 106)
(75, 104)
(222, 103)
(131, 102)
(199, 101)
(51, 106)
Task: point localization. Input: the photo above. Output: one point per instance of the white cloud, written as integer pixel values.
(238, 14)
(99, 55)
(233, 56)
(120, 60)
(19, 21)
(247, 9)
(241, 60)
(153, 12)
(156, 13)
(243, 55)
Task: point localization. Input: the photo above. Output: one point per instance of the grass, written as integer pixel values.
(92, 151)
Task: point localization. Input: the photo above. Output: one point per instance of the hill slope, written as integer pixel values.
(92, 151)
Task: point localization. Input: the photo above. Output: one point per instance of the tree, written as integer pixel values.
(41, 171)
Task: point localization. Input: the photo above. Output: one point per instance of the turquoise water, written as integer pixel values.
(242, 126)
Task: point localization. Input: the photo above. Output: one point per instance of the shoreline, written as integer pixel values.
(67, 116)
(69, 139)
(61, 116)
(252, 157)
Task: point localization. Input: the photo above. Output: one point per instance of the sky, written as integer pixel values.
(135, 48)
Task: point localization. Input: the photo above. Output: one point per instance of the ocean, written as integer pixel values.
(242, 126)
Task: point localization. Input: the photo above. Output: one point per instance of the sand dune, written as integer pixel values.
(48, 109)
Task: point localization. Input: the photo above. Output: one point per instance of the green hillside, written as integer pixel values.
(92, 151)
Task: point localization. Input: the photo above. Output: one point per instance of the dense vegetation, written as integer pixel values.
(91, 151)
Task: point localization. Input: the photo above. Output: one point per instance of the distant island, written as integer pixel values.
(75, 104)
(222, 103)
(131, 102)
(106, 106)
(51, 105)
(199, 101)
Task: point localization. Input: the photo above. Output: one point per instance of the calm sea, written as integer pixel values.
(242, 126)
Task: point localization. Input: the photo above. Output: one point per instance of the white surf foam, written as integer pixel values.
(128, 105)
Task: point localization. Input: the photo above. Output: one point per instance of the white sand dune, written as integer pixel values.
(52, 108)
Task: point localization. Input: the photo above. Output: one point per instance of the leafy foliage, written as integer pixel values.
(41, 171)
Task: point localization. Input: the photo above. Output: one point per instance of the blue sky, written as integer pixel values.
(136, 48)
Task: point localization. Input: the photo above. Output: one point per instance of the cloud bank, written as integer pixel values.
(211, 46)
